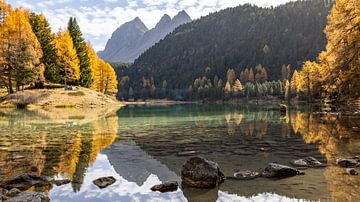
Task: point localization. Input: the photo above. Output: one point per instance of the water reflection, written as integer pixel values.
(140, 147)
(65, 145)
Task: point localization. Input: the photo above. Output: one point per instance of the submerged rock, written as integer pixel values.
(62, 182)
(34, 169)
(25, 181)
(13, 192)
(3, 193)
(165, 187)
(29, 197)
(104, 182)
(348, 162)
(246, 175)
(201, 173)
(277, 170)
(351, 171)
(307, 162)
(283, 108)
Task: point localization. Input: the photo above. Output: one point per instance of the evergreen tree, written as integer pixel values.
(42, 30)
(82, 53)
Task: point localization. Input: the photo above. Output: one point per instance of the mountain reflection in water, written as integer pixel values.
(140, 147)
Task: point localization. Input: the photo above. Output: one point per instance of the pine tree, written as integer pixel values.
(82, 53)
(42, 30)
(67, 58)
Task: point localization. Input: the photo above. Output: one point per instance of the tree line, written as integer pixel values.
(31, 55)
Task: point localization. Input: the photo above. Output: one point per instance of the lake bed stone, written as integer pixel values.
(348, 162)
(280, 171)
(25, 181)
(165, 187)
(104, 182)
(246, 175)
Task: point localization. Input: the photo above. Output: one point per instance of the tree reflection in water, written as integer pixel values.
(65, 144)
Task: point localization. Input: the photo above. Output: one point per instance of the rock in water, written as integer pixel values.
(25, 181)
(62, 182)
(29, 197)
(307, 162)
(283, 108)
(104, 182)
(246, 175)
(351, 171)
(13, 192)
(280, 171)
(34, 169)
(348, 162)
(201, 173)
(165, 187)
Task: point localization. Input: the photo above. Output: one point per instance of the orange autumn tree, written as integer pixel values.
(104, 76)
(67, 58)
(20, 51)
(337, 70)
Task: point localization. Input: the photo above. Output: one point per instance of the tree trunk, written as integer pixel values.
(10, 86)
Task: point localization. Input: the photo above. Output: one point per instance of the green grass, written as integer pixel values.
(78, 93)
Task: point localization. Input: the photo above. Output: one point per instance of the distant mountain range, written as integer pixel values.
(133, 38)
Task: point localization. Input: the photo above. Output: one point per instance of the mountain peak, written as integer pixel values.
(182, 17)
(165, 19)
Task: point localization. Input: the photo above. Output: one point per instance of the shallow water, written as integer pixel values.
(141, 147)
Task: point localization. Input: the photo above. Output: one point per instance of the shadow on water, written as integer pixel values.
(142, 146)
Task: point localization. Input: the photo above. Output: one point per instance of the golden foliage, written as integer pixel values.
(103, 74)
(68, 60)
(20, 51)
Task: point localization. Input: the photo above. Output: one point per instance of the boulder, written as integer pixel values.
(201, 173)
(29, 197)
(348, 162)
(307, 162)
(280, 171)
(351, 171)
(25, 181)
(62, 182)
(104, 182)
(246, 175)
(165, 187)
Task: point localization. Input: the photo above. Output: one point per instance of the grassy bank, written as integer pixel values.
(58, 98)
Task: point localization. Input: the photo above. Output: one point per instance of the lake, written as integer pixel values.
(142, 146)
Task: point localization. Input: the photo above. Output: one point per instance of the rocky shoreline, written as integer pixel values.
(197, 172)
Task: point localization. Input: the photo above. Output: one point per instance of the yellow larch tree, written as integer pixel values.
(20, 51)
(67, 58)
(104, 76)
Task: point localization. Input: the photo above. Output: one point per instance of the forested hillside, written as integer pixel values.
(243, 36)
(235, 38)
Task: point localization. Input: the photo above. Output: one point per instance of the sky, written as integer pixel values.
(98, 19)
